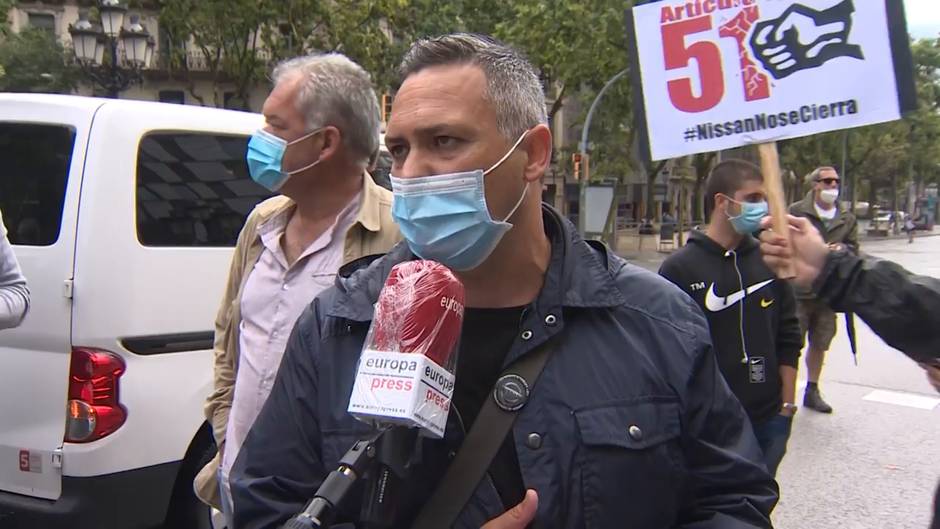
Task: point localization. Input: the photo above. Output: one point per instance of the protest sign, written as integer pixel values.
(718, 74)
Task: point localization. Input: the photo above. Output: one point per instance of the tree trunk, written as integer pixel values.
(650, 189)
(649, 208)
(698, 204)
(557, 104)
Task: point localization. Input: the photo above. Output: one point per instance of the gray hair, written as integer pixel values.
(336, 91)
(813, 177)
(512, 83)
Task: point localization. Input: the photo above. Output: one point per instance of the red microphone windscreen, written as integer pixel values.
(420, 310)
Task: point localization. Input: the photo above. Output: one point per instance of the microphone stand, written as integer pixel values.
(396, 453)
(320, 511)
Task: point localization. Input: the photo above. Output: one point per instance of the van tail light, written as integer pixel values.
(93, 409)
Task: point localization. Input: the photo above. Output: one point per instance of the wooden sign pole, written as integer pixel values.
(773, 186)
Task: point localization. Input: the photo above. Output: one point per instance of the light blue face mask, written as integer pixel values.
(444, 218)
(265, 156)
(749, 219)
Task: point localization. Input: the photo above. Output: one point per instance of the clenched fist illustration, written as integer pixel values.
(803, 38)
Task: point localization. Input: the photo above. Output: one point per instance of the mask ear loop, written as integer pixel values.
(302, 138)
(519, 203)
(503, 159)
(508, 153)
(739, 215)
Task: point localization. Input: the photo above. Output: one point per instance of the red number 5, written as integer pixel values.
(708, 57)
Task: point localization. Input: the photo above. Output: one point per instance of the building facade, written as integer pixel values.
(193, 83)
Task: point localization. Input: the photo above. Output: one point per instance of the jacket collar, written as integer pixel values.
(702, 239)
(370, 211)
(369, 214)
(807, 208)
(580, 274)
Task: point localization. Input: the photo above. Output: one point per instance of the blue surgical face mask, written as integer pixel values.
(749, 219)
(265, 156)
(444, 218)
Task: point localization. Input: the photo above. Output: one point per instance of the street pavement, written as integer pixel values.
(871, 464)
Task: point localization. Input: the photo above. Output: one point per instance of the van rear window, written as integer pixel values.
(193, 189)
(36, 160)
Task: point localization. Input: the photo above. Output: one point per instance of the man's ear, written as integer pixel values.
(331, 142)
(538, 149)
(715, 200)
(721, 203)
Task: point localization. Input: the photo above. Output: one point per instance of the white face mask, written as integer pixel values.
(829, 196)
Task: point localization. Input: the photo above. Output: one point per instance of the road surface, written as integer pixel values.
(871, 464)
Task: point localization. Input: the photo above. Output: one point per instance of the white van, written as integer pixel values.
(122, 215)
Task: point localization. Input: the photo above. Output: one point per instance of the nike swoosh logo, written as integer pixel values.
(764, 303)
(716, 303)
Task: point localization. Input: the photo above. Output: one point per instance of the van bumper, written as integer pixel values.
(125, 500)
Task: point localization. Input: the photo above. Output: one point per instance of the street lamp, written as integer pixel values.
(135, 41)
(585, 156)
(112, 17)
(115, 71)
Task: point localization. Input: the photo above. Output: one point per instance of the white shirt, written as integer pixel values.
(826, 214)
(273, 298)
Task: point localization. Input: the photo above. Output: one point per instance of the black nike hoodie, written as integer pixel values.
(751, 314)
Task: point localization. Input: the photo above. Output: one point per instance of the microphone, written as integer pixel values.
(406, 370)
(405, 378)
(404, 385)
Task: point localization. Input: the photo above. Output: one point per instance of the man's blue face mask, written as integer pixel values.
(266, 155)
(444, 218)
(748, 221)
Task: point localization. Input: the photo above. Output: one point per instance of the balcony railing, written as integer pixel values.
(196, 61)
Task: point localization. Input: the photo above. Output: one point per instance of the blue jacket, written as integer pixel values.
(632, 350)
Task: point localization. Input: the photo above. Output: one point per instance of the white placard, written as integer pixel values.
(718, 74)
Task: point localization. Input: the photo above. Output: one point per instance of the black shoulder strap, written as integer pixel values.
(479, 448)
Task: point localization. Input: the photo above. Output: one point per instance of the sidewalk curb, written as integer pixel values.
(896, 237)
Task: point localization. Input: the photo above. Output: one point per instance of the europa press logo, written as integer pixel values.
(801, 38)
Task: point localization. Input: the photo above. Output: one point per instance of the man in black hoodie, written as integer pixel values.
(751, 314)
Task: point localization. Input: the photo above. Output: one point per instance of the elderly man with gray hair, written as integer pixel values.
(321, 132)
(839, 228)
(617, 413)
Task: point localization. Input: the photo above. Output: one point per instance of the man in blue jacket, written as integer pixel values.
(630, 423)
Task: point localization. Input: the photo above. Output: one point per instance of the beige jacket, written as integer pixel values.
(372, 232)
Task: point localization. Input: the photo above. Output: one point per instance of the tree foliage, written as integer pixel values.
(579, 46)
(884, 155)
(34, 61)
(223, 37)
(5, 7)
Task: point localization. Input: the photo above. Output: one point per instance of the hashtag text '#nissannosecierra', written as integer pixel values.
(763, 121)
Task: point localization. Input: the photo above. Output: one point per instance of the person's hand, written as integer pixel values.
(836, 246)
(933, 375)
(805, 249)
(519, 516)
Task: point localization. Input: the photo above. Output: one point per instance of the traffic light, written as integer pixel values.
(386, 107)
(576, 163)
